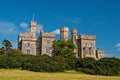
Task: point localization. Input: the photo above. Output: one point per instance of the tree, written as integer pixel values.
(63, 48)
(2, 51)
(6, 44)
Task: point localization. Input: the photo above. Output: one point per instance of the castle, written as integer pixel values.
(85, 44)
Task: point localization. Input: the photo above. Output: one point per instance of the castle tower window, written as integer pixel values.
(48, 50)
(90, 51)
(28, 44)
(48, 42)
(28, 51)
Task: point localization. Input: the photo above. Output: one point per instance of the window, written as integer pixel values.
(48, 50)
(28, 44)
(28, 51)
(90, 44)
(38, 45)
(48, 42)
(90, 51)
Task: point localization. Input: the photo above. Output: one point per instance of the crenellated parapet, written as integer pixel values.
(64, 33)
(46, 34)
(84, 36)
(64, 28)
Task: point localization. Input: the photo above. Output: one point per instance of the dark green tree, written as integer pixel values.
(63, 48)
(6, 44)
(2, 51)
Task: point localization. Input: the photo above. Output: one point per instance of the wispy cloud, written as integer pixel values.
(9, 30)
(24, 25)
(7, 27)
(109, 55)
(57, 31)
(118, 46)
(71, 20)
(39, 27)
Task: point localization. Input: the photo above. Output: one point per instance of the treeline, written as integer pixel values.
(104, 66)
(44, 63)
(63, 59)
(41, 63)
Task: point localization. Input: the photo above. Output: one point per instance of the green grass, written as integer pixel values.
(15, 74)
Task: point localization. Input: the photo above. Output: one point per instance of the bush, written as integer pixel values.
(43, 63)
(108, 66)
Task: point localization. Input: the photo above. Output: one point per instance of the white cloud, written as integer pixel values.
(118, 49)
(8, 30)
(7, 27)
(118, 46)
(39, 27)
(57, 31)
(24, 26)
(109, 55)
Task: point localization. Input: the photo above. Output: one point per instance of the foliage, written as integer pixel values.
(104, 66)
(63, 59)
(86, 65)
(108, 66)
(43, 63)
(6, 44)
(2, 51)
(63, 48)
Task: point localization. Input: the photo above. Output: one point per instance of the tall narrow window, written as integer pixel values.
(90, 51)
(28, 44)
(48, 50)
(48, 42)
(28, 51)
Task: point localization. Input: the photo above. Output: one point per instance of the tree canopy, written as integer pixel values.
(6, 44)
(63, 48)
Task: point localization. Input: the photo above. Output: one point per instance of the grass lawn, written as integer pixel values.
(9, 74)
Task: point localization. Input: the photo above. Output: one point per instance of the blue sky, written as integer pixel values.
(95, 17)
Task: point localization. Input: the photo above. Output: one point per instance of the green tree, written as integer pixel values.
(108, 66)
(2, 51)
(63, 48)
(6, 44)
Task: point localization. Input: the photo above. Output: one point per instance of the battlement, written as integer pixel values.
(84, 36)
(65, 28)
(46, 34)
(24, 33)
(100, 51)
(74, 31)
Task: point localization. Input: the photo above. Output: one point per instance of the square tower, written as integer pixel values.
(46, 41)
(86, 46)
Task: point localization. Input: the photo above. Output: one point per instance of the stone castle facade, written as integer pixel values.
(85, 44)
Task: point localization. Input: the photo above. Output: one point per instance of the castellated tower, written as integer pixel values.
(87, 46)
(74, 39)
(74, 34)
(64, 33)
(33, 28)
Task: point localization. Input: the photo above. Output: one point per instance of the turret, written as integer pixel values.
(74, 34)
(33, 28)
(64, 33)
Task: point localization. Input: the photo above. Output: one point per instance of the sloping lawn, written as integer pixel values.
(9, 74)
